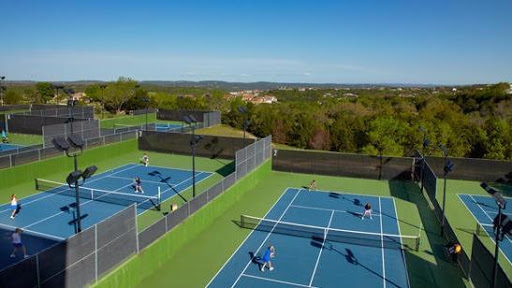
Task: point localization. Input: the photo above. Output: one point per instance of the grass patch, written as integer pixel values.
(25, 139)
(225, 130)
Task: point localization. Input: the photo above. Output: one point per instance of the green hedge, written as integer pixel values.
(143, 265)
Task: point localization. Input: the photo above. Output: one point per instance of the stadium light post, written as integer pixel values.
(498, 234)
(57, 88)
(2, 79)
(102, 87)
(146, 101)
(243, 111)
(448, 167)
(73, 179)
(194, 140)
(425, 144)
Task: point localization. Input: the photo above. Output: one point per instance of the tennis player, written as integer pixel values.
(367, 210)
(16, 242)
(312, 185)
(145, 160)
(270, 252)
(138, 185)
(14, 205)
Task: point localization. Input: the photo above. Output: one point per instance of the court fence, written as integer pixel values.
(482, 263)
(84, 258)
(343, 164)
(81, 259)
(208, 118)
(38, 152)
(32, 121)
(86, 129)
(178, 143)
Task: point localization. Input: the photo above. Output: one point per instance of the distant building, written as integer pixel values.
(509, 91)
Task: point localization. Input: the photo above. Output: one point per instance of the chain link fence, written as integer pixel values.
(482, 264)
(343, 164)
(37, 153)
(210, 146)
(81, 259)
(86, 129)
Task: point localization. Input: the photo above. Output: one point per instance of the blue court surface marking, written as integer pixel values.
(167, 127)
(47, 216)
(305, 262)
(485, 209)
(7, 147)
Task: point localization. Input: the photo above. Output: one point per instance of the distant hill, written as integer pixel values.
(233, 86)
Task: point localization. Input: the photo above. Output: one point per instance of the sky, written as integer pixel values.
(317, 41)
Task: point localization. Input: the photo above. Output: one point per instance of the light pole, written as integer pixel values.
(73, 178)
(448, 167)
(2, 79)
(146, 101)
(425, 144)
(498, 222)
(243, 111)
(102, 87)
(194, 140)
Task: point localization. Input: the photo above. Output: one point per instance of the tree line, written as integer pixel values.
(471, 121)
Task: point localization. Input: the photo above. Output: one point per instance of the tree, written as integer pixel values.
(46, 91)
(119, 92)
(12, 97)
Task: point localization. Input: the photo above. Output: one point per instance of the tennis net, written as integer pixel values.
(7, 230)
(119, 198)
(322, 234)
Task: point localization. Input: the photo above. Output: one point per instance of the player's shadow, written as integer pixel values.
(349, 256)
(255, 259)
(166, 182)
(483, 204)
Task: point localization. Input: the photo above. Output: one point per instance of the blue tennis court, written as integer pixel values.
(7, 147)
(321, 241)
(49, 217)
(167, 126)
(485, 209)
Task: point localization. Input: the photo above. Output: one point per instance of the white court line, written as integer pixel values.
(326, 209)
(490, 236)
(321, 249)
(402, 250)
(50, 194)
(382, 249)
(266, 238)
(277, 281)
(246, 238)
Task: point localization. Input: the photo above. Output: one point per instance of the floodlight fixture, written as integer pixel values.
(498, 222)
(89, 171)
(76, 141)
(73, 177)
(448, 166)
(187, 120)
(61, 144)
(192, 118)
(496, 195)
